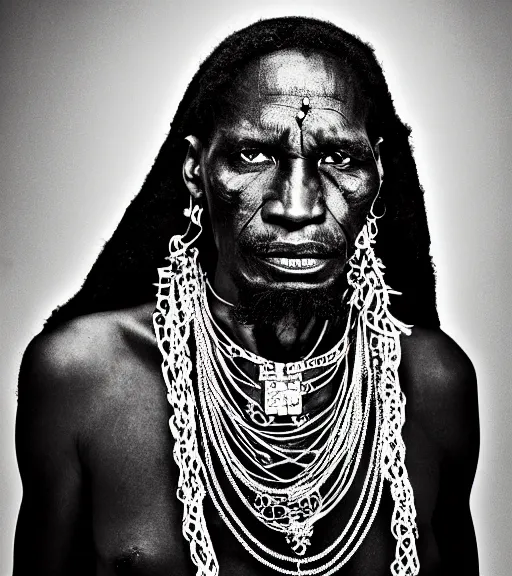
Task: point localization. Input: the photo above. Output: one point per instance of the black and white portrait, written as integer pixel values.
(255, 289)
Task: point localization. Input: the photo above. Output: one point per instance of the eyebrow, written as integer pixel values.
(356, 146)
(257, 137)
(353, 146)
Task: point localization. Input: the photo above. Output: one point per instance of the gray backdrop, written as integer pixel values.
(88, 90)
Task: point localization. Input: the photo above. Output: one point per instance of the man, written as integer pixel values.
(287, 365)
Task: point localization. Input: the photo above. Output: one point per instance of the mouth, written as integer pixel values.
(304, 258)
(295, 265)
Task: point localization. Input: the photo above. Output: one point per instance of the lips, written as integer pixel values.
(306, 257)
(295, 263)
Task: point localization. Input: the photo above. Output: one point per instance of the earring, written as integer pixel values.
(178, 243)
(179, 292)
(378, 208)
(179, 283)
(365, 269)
(370, 296)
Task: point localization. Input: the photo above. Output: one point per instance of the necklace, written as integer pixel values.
(283, 385)
(286, 474)
(294, 504)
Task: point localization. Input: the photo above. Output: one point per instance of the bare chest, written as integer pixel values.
(137, 519)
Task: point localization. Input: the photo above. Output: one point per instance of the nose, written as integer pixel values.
(296, 198)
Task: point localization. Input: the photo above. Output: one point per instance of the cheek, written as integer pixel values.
(233, 200)
(349, 198)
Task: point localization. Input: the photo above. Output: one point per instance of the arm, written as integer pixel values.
(452, 522)
(443, 398)
(53, 532)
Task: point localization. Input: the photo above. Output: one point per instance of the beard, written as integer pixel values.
(271, 307)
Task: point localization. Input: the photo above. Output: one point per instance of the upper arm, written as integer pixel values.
(452, 520)
(52, 533)
(445, 398)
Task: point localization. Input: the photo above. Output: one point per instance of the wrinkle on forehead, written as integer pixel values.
(268, 95)
(292, 73)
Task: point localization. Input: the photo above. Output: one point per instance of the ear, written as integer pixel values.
(192, 167)
(376, 154)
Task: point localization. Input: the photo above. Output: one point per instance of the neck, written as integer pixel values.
(288, 339)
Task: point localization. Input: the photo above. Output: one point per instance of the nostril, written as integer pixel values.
(294, 213)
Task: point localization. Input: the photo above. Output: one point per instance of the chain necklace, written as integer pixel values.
(286, 475)
(289, 505)
(283, 385)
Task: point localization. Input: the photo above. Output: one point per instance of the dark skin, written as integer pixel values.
(94, 448)
(302, 193)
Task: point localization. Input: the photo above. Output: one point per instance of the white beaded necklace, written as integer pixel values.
(216, 441)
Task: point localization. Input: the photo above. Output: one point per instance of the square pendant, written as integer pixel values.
(282, 397)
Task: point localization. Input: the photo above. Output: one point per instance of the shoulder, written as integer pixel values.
(439, 382)
(87, 345)
(70, 365)
(432, 357)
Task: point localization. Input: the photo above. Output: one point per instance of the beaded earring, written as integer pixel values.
(179, 288)
(371, 297)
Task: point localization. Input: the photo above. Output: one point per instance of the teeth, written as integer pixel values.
(295, 262)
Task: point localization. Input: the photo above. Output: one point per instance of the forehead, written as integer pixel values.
(294, 73)
(269, 92)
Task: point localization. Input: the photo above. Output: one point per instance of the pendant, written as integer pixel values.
(295, 519)
(299, 538)
(282, 394)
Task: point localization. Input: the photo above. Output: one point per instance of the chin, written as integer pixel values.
(263, 302)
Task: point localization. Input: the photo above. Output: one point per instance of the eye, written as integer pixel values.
(337, 159)
(255, 156)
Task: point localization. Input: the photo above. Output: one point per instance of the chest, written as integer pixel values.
(137, 519)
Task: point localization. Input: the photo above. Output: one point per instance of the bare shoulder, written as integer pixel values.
(439, 382)
(74, 383)
(71, 365)
(86, 347)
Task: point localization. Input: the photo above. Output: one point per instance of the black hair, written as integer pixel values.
(125, 271)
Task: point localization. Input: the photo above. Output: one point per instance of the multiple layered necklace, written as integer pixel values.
(265, 463)
(320, 454)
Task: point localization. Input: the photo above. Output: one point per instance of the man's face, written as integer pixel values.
(288, 194)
